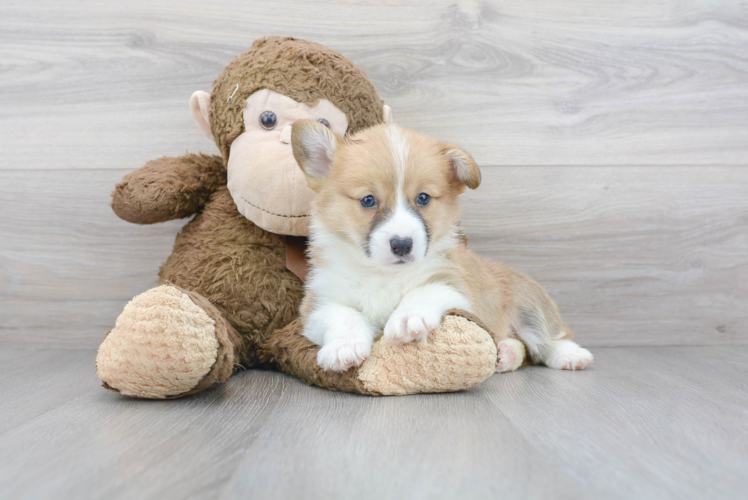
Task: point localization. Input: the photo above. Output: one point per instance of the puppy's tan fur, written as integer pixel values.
(363, 165)
(509, 303)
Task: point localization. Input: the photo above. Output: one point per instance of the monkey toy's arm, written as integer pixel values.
(168, 188)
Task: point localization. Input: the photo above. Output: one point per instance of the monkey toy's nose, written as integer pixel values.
(286, 135)
(401, 246)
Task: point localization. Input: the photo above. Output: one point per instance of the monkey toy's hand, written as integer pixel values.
(168, 188)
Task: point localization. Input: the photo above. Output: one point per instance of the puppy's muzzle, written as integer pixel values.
(401, 246)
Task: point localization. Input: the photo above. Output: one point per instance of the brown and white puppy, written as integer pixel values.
(386, 252)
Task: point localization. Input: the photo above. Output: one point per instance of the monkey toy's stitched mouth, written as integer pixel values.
(273, 213)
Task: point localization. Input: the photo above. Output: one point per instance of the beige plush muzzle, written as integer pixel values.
(264, 179)
(268, 186)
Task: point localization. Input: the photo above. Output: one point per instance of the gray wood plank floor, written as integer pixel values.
(614, 142)
(633, 256)
(645, 422)
(91, 84)
(613, 139)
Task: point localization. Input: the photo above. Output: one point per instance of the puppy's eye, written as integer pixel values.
(423, 199)
(368, 201)
(268, 120)
(324, 122)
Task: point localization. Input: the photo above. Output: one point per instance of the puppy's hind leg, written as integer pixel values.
(511, 355)
(568, 355)
(539, 325)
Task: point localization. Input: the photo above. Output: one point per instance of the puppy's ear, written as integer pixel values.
(314, 147)
(464, 168)
(387, 114)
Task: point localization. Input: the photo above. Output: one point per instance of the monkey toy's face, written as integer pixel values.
(264, 179)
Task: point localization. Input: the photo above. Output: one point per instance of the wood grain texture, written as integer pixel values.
(91, 84)
(648, 250)
(645, 423)
(633, 256)
(35, 382)
(614, 141)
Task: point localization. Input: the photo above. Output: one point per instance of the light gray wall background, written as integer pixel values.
(613, 138)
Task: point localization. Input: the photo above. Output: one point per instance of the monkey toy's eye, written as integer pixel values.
(423, 199)
(324, 122)
(368, 201)
(268, 120)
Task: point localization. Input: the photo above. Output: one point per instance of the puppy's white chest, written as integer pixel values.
(382, 297)
(375, 295)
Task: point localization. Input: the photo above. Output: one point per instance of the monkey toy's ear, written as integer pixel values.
(200, 106)
(387, 113)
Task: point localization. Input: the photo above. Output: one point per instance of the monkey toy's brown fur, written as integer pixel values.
(225, 297)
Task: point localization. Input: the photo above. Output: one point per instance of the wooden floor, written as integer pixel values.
(645, 422)
(613, 140)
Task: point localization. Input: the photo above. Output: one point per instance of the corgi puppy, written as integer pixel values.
(386, 252)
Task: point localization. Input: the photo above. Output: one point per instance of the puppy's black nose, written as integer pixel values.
(401, 246)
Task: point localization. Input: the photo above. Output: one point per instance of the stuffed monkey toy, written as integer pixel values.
(229, 294)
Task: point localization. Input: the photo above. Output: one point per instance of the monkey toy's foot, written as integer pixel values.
(457, 355)
(167, 343)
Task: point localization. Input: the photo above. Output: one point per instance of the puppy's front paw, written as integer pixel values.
(408, 325)
(342, 354)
